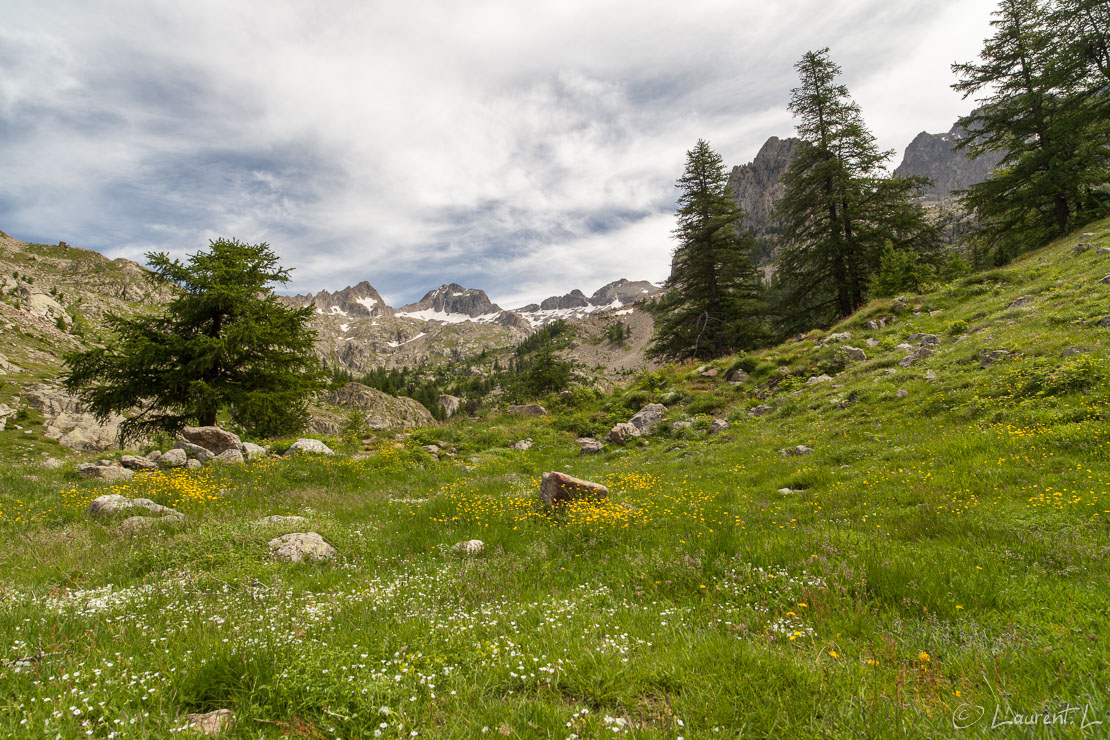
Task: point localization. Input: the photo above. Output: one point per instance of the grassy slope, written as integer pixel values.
(940, 549)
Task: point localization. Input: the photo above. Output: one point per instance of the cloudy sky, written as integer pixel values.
(522, 147)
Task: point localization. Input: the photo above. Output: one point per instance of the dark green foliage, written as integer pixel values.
(900, 271)
(555, 335)
(618, 333)
(224, 342)
(538, 374)
(1043, 79)
(713, 296)
(840, 208)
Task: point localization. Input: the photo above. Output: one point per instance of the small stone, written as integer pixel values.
(469, 547)
(786, 491)
(529, 409)
(213, 439)
(232, 456)
(175, 458)
(1105, 280)
(194, 451)
(930, 375)
(924, 340)
(52, 463)
(736, 377)
(717, 425)
(308, 446)
(1073, 351)
(193, 464)
(557, 488)
(843, 336)
(990, 357)
(1105, 323)
(279, 519)
(1104, 250)
(252, 450)
(113, 503)
(711, 373)
(299, 546)
(783, 370)
(646, 419)
(211, 723)
(1020, 301)
(887, 372)
(522, 445)
(800, 450)
(902, 393)
(110, 472)
(918, 354)
(138, 463)
(621, 433)
(852, 354)
(760, 411)
(819, 379)
(590, 446)
(872, 342)
(678, 426)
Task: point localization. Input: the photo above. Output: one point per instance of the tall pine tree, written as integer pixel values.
(840, 209)
(713, 295)
(1038, 105)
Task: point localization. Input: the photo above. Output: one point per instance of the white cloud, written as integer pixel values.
(526, 148)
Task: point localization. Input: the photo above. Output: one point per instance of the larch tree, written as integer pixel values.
(840, 208)
(224, 342)
(713, 297)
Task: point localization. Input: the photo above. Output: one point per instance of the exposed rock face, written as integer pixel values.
(356, 300)
(68, 423)
(757, 186)
(557, 488)
(918, 354)
(215, 440)
(299, 546)
(852, 354)
(453, 299)
(623, 292)
(933, 156)
(760, 410)
(621, 433)
(573, 299)
(381, 410)
(449, 404)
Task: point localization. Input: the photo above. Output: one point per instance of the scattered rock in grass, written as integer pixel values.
(786, 491)
(1105, 323)
(852, 354)
(299, 546)
(230, 456)
(528, 409)
(1104, 250)
(902, 393)
(522, 445)
(872, 342)
(646, 419)
(175, 458)
(796, 451)
(819, 379)
(717, 425)
(280, 519)
(211, 723)
(736, 377)
(193, 451)
(114, 503)
(918, 354)
(589, 446)
(930, 375)
(193, 464)
(899, 304)
(760, 411)
(133, 462)
(783, 370)
(887, 372)
(252, 450)
(924, 340)
(1021, 301)
(843, 336)
(110, 472)
(432, 450)
(308, 446)
(1105, 280)
(990, 357)
(1073, 351)
(711, 373)
(52, 463)
(469, 547)
(678, 426)
(213, 439)
(136, 524)
(557, 488)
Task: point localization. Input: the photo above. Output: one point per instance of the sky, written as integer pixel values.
(525, 148)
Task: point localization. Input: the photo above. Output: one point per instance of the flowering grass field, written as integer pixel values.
(937, 566)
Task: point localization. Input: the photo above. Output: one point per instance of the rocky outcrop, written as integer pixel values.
(217, 441)
(67, 423)
(934, 156)
(757, 186)
(452, 299)
(379, 410)
(355, 300)
(573, 299)
(300, 546)
(624, 292)
(308, 446)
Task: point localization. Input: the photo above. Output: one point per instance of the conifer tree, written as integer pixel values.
(840, 208)
(1038, 107)
(713, 295)
(223, 342)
